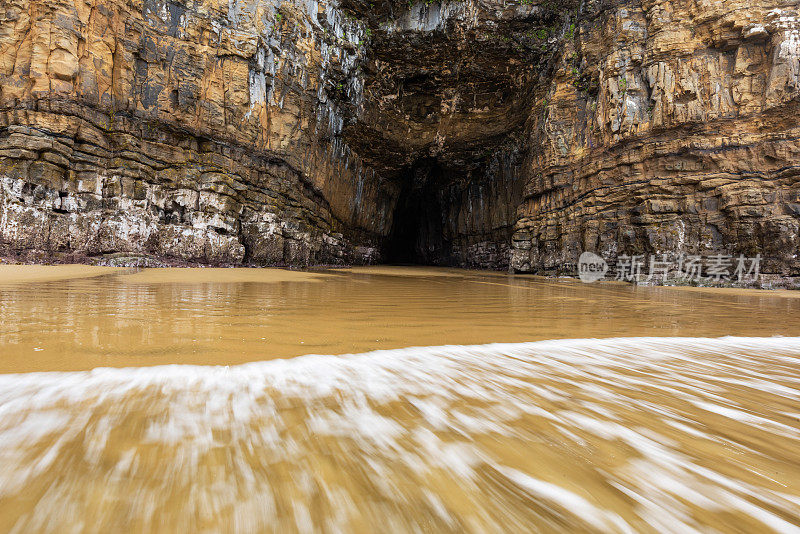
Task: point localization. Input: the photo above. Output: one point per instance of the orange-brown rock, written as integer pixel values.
(669, 128)
(200, 131)
(484, 133)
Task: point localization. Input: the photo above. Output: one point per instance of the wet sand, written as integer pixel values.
(222, 275)
(16, 274)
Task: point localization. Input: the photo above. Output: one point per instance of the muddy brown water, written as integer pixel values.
(392, 399)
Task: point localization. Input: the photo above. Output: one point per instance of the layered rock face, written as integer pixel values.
(477, 133)
(200, 131)
(669, 128)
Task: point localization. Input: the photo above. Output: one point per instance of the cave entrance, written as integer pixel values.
(417, 235)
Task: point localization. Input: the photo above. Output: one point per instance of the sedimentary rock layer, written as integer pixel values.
(196, 130)
(669, 128)
(481, 133)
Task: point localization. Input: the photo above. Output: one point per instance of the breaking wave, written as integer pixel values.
(620, 435)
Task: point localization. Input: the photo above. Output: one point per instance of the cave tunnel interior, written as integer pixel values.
(418, 230)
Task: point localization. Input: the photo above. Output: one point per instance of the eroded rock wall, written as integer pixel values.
(202, 130)
(293, 132)
(453, 83)
(671, 127)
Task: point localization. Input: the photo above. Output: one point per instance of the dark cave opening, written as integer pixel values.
(417, 236)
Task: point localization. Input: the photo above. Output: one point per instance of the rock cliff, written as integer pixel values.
(480, 133)
(668, 128)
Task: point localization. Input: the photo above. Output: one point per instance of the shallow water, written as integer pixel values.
(232, 316)
(637, 432)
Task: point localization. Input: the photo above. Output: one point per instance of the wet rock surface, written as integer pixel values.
(670, 128)
(478, 133)
(199, 131)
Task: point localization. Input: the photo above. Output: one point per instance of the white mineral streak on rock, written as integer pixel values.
(784, 77)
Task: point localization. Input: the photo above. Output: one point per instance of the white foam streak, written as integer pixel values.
(611, 434)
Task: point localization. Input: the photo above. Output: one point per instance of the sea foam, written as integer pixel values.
(625, 434)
